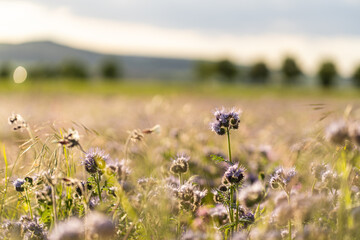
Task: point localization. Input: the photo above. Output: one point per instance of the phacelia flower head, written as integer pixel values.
(337, 132)
(190, 196)
(217, 128)
(119, 169)
(180, 164)
(72, 228)
(318, 169)
(95, 160)
(19, 185)
(283, 179)
(234, 174)
(354, 132)
(331, 179)
(225, 120)
(252, 194)
(220, 214)
(97, 224)
(220, 196)
(44, 195)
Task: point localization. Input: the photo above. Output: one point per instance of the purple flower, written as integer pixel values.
(95, 160)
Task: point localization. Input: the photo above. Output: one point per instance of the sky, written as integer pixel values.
(244, 31)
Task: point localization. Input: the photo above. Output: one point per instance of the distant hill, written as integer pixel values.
(46, 52)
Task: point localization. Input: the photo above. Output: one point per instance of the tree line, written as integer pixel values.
(223, 70)
(109, 68)
(290, 71)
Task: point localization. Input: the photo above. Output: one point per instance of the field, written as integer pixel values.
(140, 161)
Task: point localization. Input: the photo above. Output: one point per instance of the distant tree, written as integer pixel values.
(44, 71)
(74, 69)
(356, 76)
(226, 70)
(110, 68)
(259, 72)
(5, 70)
(290, 70)
(204, 70)
(327, 73)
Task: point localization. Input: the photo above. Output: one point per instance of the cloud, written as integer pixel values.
(28, 21)
(320, 17)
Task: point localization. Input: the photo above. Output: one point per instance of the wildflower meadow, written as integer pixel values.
(179, 167)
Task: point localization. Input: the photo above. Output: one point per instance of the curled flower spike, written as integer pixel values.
(120, 169)
(283, 179)
(234, 174)
(317, 170)
(217, 128)
(180, 164)
(219, 196)
(190, 196)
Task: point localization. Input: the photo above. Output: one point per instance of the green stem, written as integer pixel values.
(313, 186)
(229, 144)
(230, 205)
(180, 212)
(98, 179)
(237, 212)
(53, 197)
(179, 225)
(289, 227)
(6, 183)
(67, 162)
(127, 147)
(28, 203)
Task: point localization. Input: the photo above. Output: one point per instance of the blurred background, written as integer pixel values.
(265, 43)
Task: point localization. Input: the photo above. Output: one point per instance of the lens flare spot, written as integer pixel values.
(20, 74)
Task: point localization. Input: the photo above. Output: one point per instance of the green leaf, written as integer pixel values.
(227, 226)
(218, 159)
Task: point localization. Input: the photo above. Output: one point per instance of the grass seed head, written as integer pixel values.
(17, 122)
(71, 138)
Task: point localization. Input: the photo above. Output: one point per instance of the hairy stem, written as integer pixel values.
(313, 186)
(98, 179)
(229, 143)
